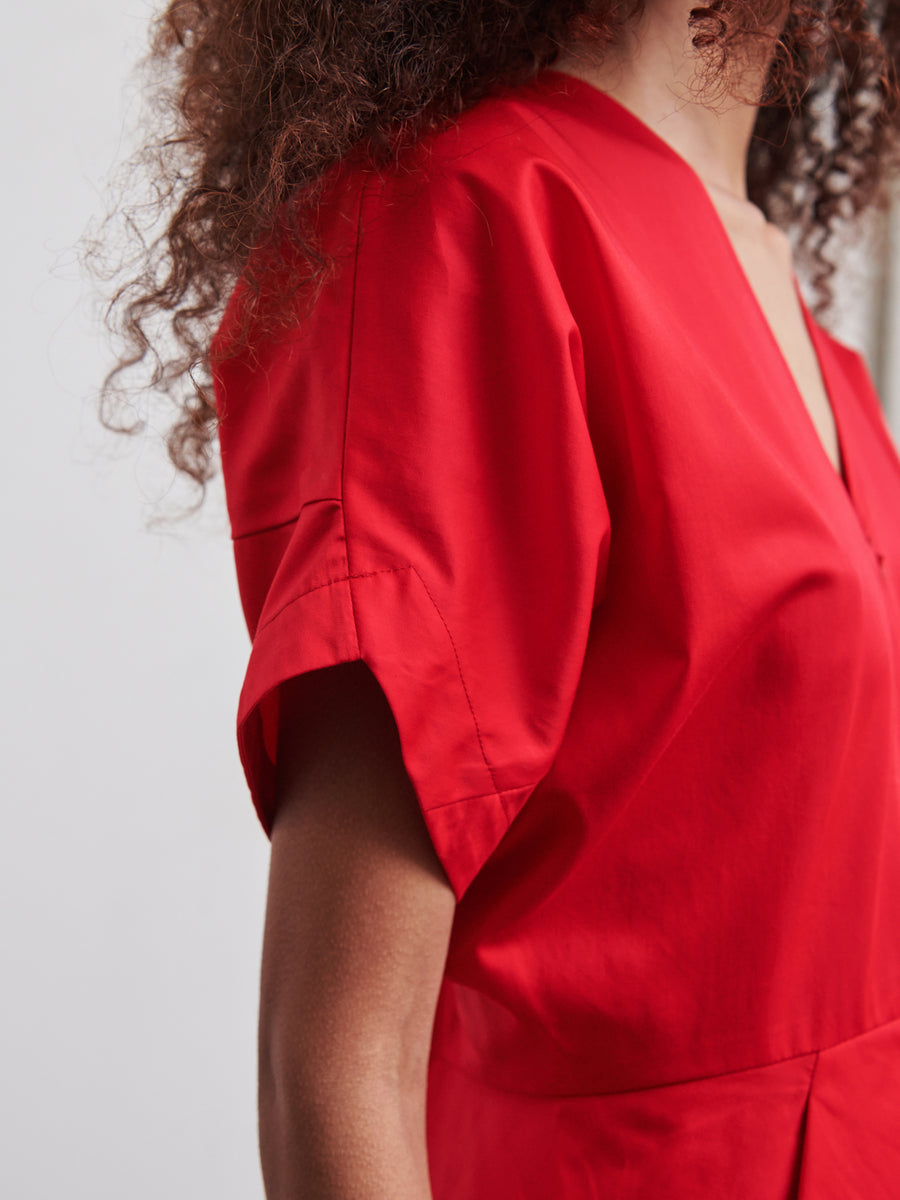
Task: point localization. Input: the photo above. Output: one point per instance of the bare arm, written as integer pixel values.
(357, 924)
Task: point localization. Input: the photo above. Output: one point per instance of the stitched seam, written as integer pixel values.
(498, 792)
(237, 537)
(495, 795)
(674, 1083)
(318, 587)
(349, 369)
(350, 574)
(461, 680)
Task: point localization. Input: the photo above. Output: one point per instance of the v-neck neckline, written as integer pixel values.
(843, 476)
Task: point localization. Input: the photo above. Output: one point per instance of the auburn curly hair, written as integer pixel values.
(253, 101)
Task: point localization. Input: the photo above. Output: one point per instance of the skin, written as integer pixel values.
(655, 74)
(357, 925)
(359, 910)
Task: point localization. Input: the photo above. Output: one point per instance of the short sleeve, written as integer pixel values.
(411, 481)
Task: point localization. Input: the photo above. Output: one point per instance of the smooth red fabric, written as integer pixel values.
(538, 460)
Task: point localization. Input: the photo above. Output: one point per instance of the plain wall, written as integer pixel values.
(132, 865)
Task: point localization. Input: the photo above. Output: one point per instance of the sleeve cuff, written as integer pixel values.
(388, 619)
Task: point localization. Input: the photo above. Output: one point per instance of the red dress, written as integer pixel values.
(538, 460)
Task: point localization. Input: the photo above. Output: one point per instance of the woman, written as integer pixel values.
(569, 545)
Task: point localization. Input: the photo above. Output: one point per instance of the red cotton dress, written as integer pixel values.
(538, 460)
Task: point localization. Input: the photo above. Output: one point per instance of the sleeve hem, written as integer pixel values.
(388, 619)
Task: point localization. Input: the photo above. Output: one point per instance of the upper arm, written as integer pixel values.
(412, 483)
(359, 908)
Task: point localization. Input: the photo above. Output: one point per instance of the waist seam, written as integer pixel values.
(812, 1053)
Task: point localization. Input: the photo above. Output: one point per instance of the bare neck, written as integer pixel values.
(654, 73)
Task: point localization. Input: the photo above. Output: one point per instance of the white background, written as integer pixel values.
(132, 865)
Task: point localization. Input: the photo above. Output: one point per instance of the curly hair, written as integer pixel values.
(256, 99)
